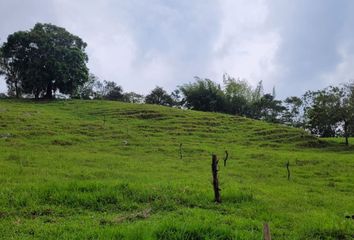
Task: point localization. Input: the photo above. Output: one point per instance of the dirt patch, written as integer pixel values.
(135, 216)
(61, 142)
(3, 214)
(40, 213)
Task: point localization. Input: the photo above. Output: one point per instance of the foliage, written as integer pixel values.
(293, 111)
(203, 95)
(160, 97)
(112, 91)
(8, 68)
(132, 97)
(177, 99)
(87, 90)
(108, 90)
(322, 118)
(237, 97)
(332, 111)
(267, 108)
(44, 60)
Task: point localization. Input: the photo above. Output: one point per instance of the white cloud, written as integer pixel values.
(344, 70)
(246, 47)
(294, 45)
(137, 44)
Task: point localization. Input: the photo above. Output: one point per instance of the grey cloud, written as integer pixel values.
(294, 45)
(311, 33)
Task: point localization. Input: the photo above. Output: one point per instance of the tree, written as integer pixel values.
(133, 97)
(159, 96)
(238, 95)
(268, 109)
(112, 91)
(44, 60)
(203, 95)
(87, 90)
(258, 92)
(332, 112)
(345, 111)
(177, 100)
(293, 113)
(8, 68)
(98, 88)
(321, 118)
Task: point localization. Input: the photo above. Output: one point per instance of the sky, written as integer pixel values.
(292, 45)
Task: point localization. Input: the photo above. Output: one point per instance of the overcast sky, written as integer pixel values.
(293, 45)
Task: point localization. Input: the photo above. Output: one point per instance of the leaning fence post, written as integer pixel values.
(180, 151)
(214, 170)
(266, 232)
(287, 168)
(226, 157)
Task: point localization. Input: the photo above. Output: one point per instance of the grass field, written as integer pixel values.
(109, 170)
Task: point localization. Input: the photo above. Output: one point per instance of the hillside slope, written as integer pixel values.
(109, 170)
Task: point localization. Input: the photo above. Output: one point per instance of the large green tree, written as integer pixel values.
(8, 69)
(331, 112)
(321, 114)
(160, 97)
(238, 96)
(293, 114)
(112, 91)
(346, 111)
(44, 60)
(204, 95)
(267, 108)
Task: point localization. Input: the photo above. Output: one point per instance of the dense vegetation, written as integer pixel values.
(42, 61)
(78, 169)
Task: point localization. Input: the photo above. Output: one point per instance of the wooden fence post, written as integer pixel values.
(266, 232)
(180, 151)
(287, 167)
(226, 157)
(214, 169)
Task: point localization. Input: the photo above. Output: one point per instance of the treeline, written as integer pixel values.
(326, 113)
(48, 62)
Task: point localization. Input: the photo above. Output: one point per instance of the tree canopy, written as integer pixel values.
(159, 96)
(203, 95)
(44, 60)
(331, 112)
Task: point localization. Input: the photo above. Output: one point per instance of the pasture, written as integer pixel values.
(108, 170)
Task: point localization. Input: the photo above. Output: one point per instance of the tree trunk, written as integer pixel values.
(49, 93)
(16, 90)
(180, 151)
(346, 134)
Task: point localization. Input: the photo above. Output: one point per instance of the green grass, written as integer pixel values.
(65, 173)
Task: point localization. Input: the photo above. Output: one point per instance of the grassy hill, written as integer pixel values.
(109, 170)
